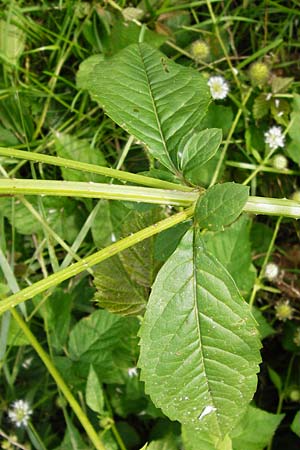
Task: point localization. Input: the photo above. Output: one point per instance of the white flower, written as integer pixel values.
(218, 87)
(274, 138)
(271, 271)
(132, 372)
(20, 413)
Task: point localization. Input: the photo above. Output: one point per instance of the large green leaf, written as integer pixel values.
(221, 205)
(199, 343)
(151, 97)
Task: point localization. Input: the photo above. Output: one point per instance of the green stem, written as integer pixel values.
(89, 261)
(90, 431)
(91, 168)
(254, 205)
(248, 166)
(96, 190)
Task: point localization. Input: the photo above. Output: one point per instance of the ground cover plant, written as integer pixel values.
(149, 242)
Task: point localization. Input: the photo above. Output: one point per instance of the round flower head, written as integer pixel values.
(271, 271)
(219, 87)
(284, 311)
(274, 138)
(259, 73)
(199, 50)
(280, 162)
(20, 413)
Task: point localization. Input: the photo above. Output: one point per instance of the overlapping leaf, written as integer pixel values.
(199, 342)
(151, 97)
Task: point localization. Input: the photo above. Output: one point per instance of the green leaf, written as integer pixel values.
(221, 205)
(94, 393)
(295, 426)
(232, 248)
(166, 443)
(116, 290)
(218, 116)
(70, 147)
(199, 345)
(275, 378)
(72, 439)
(195, 440)
(167, 241)
(123, 282)
(106, 341)
(197, 150)
(264, 327)
(12, 39)
(261, 106)
(255, 430)
(151, 97)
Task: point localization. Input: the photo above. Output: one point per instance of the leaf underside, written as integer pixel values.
(150, 96)
(199, 343)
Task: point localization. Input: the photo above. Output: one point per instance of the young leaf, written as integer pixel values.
(197, 150)
(221, 205)
(199, 343)
(94, 393)
(151, 97)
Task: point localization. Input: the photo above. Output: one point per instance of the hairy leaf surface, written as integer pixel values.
(221, 205)
(199, 342)
(148, 95)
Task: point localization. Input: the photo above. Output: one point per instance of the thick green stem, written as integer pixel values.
(97, 190)
(91, 168)
(89, 261)
(90, 431)
(255, 205)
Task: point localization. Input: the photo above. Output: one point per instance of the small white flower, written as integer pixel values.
(20, 413)
(274, 138)
(219, 87)
(132, 372)
(271, 271)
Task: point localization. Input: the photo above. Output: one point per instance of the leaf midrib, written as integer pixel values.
(198, 325)
(158, 122)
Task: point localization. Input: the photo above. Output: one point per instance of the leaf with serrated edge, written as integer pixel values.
(199, 343)
(150, 96)
(198, 149)
(221, 205)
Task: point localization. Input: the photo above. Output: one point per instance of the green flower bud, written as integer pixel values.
(200, 51)
(294, 395)
(259, 74)
(280, 162)
(296, 196)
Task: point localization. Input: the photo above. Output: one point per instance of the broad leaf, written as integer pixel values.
(106, 341)
(151, 97)
(196, 440)
(199, 343)
(221, 205)
(295, 426)
(232, 248)
(255, 430)
(197, 150)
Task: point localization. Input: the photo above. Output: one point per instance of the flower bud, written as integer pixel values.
(271, 271)
(284, 310)
(280, 162)
(259, 73)
(296, 196)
